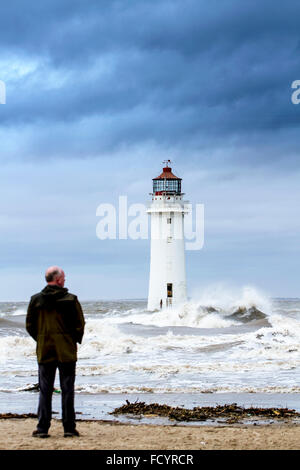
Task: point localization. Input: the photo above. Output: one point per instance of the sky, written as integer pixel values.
(100, 93)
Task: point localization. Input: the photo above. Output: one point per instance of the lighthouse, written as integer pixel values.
(167, 283)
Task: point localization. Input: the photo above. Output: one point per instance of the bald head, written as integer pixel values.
(55, 276)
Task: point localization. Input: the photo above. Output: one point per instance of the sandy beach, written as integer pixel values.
(15, 434)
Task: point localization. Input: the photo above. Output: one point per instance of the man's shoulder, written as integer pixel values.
(69, 296)
(35, 296)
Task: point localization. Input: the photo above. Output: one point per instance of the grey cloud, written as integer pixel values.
(181, 74)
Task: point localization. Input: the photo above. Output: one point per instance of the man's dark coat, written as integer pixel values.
(55, 321)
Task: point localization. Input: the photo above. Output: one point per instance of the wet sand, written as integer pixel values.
(15, 434)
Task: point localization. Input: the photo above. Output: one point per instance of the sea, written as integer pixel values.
(221, 347)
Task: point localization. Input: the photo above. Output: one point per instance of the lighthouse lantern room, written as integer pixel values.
(167, 283)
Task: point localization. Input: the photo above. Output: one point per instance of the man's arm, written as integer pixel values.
(80, 322)
(31, 321)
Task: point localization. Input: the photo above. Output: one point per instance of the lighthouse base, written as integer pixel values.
(160, 298)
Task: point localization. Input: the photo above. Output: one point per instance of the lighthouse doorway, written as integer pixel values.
(169, 294)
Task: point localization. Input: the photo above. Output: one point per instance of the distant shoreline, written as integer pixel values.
(291, 299)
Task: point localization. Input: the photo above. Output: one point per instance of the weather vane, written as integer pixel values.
(166, 162)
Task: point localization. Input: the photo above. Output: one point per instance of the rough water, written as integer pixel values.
(219, 343)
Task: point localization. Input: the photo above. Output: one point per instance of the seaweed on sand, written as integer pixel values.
(17, 416)
(232, 413)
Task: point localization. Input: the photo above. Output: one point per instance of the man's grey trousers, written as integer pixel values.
(46, 385)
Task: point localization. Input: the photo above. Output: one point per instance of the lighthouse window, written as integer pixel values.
(169, 220)
(173, 186)
(169, 240)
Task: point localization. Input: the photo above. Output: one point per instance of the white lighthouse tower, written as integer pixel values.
(167, 284)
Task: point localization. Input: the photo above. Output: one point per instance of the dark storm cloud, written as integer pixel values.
(179, 73)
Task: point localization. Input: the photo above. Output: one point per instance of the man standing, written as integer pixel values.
(55, 321)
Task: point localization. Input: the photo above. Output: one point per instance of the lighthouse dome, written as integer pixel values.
(167, 183)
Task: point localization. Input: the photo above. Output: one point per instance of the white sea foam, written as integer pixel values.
(16, 348)
(211, 309)
(189, 314)
(18, 312)
(127, 389)
(157, 370)
(105, 339)
(229, 299)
